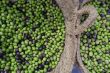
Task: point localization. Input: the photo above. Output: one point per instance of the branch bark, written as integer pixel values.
(71, 12)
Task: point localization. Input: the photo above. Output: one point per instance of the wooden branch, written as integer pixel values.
(71, 13)
(88, 22)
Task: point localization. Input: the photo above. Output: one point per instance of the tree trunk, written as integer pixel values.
(72, 12)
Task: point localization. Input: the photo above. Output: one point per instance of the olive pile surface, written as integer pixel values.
(95, 41)
(32, 36)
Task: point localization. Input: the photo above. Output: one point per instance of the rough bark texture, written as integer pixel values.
(72, 12)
